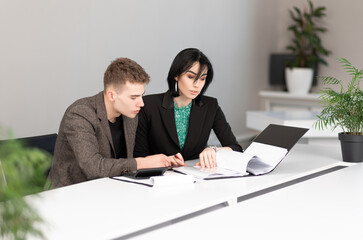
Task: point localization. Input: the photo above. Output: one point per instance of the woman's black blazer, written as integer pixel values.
(156, 131)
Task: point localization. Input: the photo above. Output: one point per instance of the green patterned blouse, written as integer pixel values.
(182, 122)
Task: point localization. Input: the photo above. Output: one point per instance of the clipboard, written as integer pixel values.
(280, 136)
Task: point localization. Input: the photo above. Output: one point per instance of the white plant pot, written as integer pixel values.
(299, 80)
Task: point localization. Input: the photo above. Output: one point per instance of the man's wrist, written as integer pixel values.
(139, 162)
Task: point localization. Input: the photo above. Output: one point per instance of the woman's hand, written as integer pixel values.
(207, 158)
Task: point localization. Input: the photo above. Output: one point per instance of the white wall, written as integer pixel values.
(344, 37)
(54, 52)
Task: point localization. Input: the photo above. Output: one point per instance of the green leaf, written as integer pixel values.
(311, 6)
(322, 61)
(297, 43)
(292, 28)
(319, 12)
(294, 18)
(329, 80)
(297, 11)
(320, 29)
(291, 48)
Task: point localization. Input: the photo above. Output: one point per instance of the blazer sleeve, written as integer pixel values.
(224, 132)
(82, 134)
(142, 148)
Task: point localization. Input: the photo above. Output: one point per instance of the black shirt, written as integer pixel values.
(118, 137)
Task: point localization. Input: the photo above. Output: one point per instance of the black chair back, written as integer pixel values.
(44, 142)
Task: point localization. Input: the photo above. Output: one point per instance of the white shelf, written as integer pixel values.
(259, 120)
(280, 101)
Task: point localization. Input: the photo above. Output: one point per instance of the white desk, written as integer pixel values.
(326, 207)
(259, 120)
(106, 208)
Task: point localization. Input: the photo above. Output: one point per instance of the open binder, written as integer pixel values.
(262, 156)
(280, 136)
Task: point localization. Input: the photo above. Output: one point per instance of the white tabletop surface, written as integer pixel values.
(326, 207)
(106, 208)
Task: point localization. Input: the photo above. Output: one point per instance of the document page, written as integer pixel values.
(256, 166)
(266, 157)
(232, 160)
(209, 173)
(258, 159)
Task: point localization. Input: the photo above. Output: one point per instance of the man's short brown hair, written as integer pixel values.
(122, 70)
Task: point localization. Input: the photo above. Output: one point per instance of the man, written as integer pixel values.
(96, 135)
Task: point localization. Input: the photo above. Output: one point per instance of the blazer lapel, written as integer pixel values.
(130, 126)
(102, 116)
(168, 117)
(196, 120)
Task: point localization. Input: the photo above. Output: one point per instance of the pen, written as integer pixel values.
(176, 156)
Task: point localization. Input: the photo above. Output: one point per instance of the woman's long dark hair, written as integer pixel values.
(183, 61)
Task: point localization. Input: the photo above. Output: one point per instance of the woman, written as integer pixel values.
(181, 120)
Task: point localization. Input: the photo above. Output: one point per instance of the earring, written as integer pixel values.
(176, 86)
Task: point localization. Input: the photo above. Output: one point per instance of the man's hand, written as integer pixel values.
(160, 160)
(177, 160)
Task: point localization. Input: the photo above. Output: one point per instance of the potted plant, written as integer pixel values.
(22, 172)
(306, 46)
(344, 108)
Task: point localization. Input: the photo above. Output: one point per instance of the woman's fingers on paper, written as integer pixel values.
(211, 161)
(204, 159)
(207, 161)
(211, 158)
(214, 163)
(201, 160)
